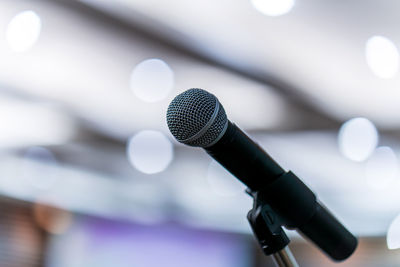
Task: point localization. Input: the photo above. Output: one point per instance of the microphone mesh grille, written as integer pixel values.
(190, 111)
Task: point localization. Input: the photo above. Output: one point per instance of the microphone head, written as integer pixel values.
(196, 118)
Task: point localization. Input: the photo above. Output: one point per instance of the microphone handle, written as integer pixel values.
(245, 159)
(329, 234)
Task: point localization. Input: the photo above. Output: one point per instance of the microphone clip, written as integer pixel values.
(267, 228)
(266, 225)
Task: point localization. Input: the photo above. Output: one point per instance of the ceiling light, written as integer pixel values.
(152, 80)
(273, 7)
(23, 31)
(150, 151)
(39, 168)
(382, 57)
(393, 234)
(32, 124)
(381, 168)
(357, 139)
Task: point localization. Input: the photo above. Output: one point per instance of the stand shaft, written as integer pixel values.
(284, 258)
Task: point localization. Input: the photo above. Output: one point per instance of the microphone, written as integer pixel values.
(196, 118)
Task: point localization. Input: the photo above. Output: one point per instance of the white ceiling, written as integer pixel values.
(85, 67)
(318, 47)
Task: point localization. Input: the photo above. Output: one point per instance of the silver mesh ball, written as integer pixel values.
(196, 118)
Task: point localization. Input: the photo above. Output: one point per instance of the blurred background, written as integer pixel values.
(91, 177)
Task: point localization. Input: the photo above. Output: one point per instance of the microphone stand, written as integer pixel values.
(267, 228)
(284, 258)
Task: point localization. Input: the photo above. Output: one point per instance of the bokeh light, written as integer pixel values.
(39, 168)
(152, 80)
(357, 139)
(273, 8)
(222, 182)
(382, 57)
(150, 151)
(33, 124)
(23, 31)
(381, 169)
(393, 234)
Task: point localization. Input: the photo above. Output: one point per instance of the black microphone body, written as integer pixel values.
(246, 160)
(196, 118)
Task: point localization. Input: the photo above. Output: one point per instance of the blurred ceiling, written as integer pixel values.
(290, 81)
(315, 53)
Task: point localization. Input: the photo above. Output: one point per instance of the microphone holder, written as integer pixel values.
(267, 228)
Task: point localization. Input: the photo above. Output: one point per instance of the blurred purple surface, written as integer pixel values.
(110, 243)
